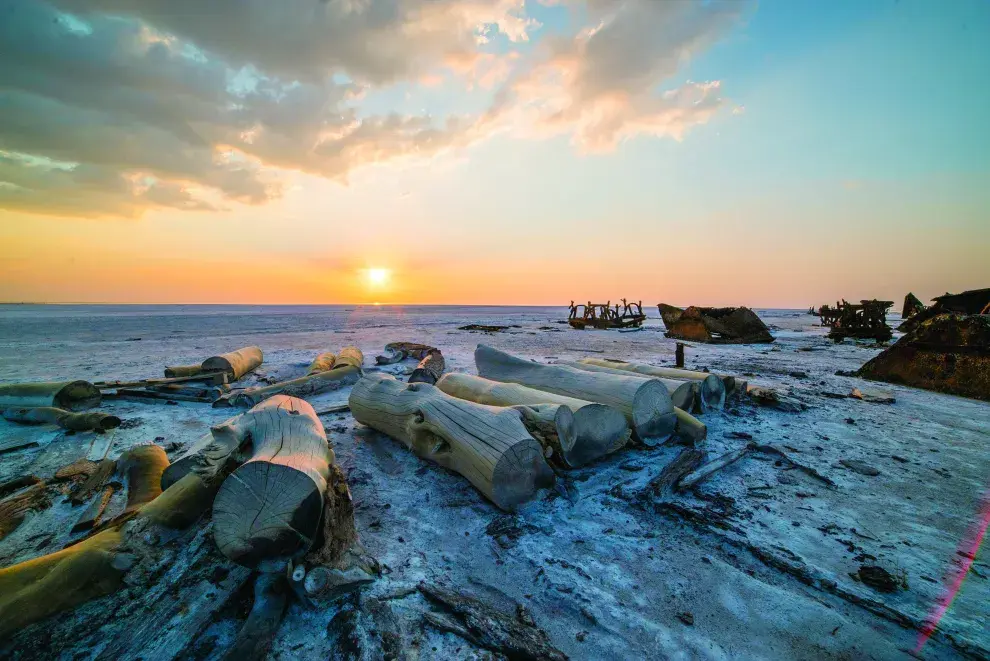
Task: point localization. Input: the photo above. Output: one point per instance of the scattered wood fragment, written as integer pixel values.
(772, 398)
(15, 507)
(99, 447)
(872, 396)
(483, 328)
(489, 446)
(584, 350)
(91, 515)
(69, 395)
(98, 475)
(860, 467)
(16, 444)
(183, 371)
(769, 449)
(488, 628)
(702, 473)
(255, 636)
(340, 408)
(645, 402)
(153, 395)
(398, 351)
(18, 483)
(685, 462)
(268, 511)
(593, 431)
(92, 421)
(217, 378)
(430, 368)
(304, 386)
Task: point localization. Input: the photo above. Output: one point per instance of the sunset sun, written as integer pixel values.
(378, 277)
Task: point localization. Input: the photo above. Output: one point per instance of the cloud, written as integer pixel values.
(127, 105)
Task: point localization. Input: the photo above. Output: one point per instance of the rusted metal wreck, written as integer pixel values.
(605, 316)
(864, 320)
(714, 325)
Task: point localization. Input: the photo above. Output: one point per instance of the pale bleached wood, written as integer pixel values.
(268, 511)
(349, 356)
(593, 431)
(91, 421)
(322, 363)
(683, 394)
(91, 515)
(236, 363)
(645, 402)
(69, 395)
(304, 386)
(705, 471)
(690, 430)
(488, 445)
(709, 394)
(430, 368)
(142, 466)
(183, 371)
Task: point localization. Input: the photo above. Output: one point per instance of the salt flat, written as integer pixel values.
(762, 557)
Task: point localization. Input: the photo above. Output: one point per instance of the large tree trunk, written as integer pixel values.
(593, 431)
(487, 445)
(645, 402)
(93, 421)
(304, 386)
(71, 395)
(268, 511)
(322, 363)
(430, 369)
(712, 393)
(236, 363)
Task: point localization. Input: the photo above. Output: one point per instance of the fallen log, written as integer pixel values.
(304, 386)
(593, 431)
(322, 363)
(183, 370)
(689, 428)
(93, 421)
(255, 636)
(663, 485)
(687, 395)
(69, 395)
(430, 369)
(645, 402)
(268, 511)
(489, 446)
(236, 363)
(712, 394)
(154, 395)
(14, 508)
(398, 351)
(206, 456)
(705, 471)
(16, 444)
(142, 466)
(18, 483)
(349, 356)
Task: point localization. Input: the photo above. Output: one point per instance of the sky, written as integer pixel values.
(780, 153)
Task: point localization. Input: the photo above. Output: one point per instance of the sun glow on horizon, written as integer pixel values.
(378, 277)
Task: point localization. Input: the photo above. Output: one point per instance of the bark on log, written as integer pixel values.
(236, 363)
(256, 634)
(143, 466)
(645, 402)
(487, 445)
(430, 369)
(322, 363)
(713, 388)
(595, 430)
(183, 370)
(268, 511)
(14, 508)
(304, 386)
(69, 395)
(349, 356)
(93, 421)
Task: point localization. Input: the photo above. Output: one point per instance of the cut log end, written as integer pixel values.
(711, 394)
(519, 473)
(266, 511)
(653, 416)
(599, 430)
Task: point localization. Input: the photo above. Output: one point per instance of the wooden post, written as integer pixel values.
(679, 354)
(645, 402)
(268, 511)
(489, 446)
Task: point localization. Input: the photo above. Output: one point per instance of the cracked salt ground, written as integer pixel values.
(762, 561)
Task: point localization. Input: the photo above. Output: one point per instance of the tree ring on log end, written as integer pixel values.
(566, 434)
(290, 502)
(654, 420)
(519, 473)
(711, 394)
(598, 426)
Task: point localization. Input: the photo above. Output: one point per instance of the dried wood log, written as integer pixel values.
(268, 511)
(593, 431)
(304, 386)
(255, 637)
(97, 477)
(713, 390)
(79, 469)
(322, 363)
(702, 473)
(14, 508)
(236, 363)
(684, 394)
(70, 395)
(349, 356)
(91, 515)
(645, 402)
(183, 370)
(663, 485)
(689, 428)
(143, 466)
(93, 421)
(487, 445)
(154, 395)
(390, 357)
(430, 369)
(199, 391)
(206, 456)
(490, 629)
(18, 483)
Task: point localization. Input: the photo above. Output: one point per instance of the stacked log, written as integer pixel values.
(490, 446)
(711, 393)
(645, 402)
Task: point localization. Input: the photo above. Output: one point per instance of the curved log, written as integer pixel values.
(304, 386)
(645, 402)
(65, 419)
(69, 395)
(710, 391)
(351, 356)
(430, 369)
(268, 511)
(236, 363)
(143, 465)
(487, 445)
(593, 431)
(322, 363)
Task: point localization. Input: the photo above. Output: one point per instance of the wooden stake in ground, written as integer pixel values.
(70, 395)
(430, 369)
(679, 354)
(645, 402)
(93, 421)
(711, 393)
(489, 446)
(268, 511)
(236, 363)
(593, 431)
